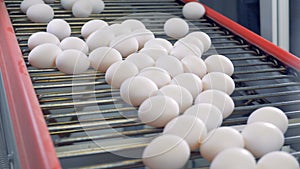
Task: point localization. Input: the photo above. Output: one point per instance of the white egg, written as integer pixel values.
(97, 5)
(219, 63)
(181, 95)
(189, 81)
(39, 38)
(218, 140)
(82, 8)
(74, 43)
(166, 151)
(208, 113)
(60, 28)
(102, 57)
(193, 10)
(194, 64)
(157, 111)
(118, 72)
(159, 43)
(218, 98)
(135, 90)
(277, 160)
(99, 38)
(176, 28)
(72, 61)
(203, 37)
(234, 158)
(141, 60)
(218, 81)
(119, 29)
(154, 52)
(44, 55)
(271, 115)
(91, 26)
(170, 64)
(40, 13)
(125, 44)
(142, 36)
(190, 128)
(186, 49)
(159, 76)
(133, 24)
(25, 4)
(261, 138)
(67, 4)
(186, 41)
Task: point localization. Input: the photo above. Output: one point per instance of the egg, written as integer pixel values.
(72, 61)
(60, 28)
(82, 8)
(262, 138)
(142, 36)
(67, 4)
(97, 6)
(25, 4)
(159, 43)
(135, 90)
(189, 81)
(133, 24)
(277, 160)
(208, 113)
(125, 44)
(193, 64)
(218, 98)
(154, 52)
(190, 128)
(205, 39)
(218, 140)
(102, 57)
(181, 95)
(118, 72)
(40, 13)
(193, 10)
(182, 50)
(186, 41)
(157, 111)
(119, 29)
(91, 26)
(218, 81)
(176, 28)
(234, 158)
(170, 64)
(271, 115)
(39, 38)
(159, 76)
(99, 38)
(74, 43)
(219, 63)
(44, 55)
(166, 151)
(141, 60)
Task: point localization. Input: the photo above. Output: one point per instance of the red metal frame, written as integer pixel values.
(35, 147)
(258, 41)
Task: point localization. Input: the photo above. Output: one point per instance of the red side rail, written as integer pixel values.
(35, 147)
(263, 44)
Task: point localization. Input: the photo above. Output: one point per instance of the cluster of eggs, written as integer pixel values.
(38, 11)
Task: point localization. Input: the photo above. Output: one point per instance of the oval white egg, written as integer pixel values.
(82, 8)
(118, 72)
(125, 44)
(218, 140)
(67, 4)
(208, 113)
(166, 151)
(40, 13)
(72, 61)
(39, 38)
(194, 64)
(101, 58)
(100, 38)
(262, 138)
(119, 29)
(176, 28)
(193, 10)
(218, 81)
(133, 24)
(171, 64)
(154, 52)
(159, 43)
(180, 51)
(142, 36)
(159, 76)
(97, 6)
(271, 115)
(218, 98)
(91, 26)
(44, 55)
(186, 41)
(205, 39)
(157, 111)
(74, 43)
(141, 60)
(28, 3)
(60, 28)
(278, 160)
(219, 63)
(136, 89)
